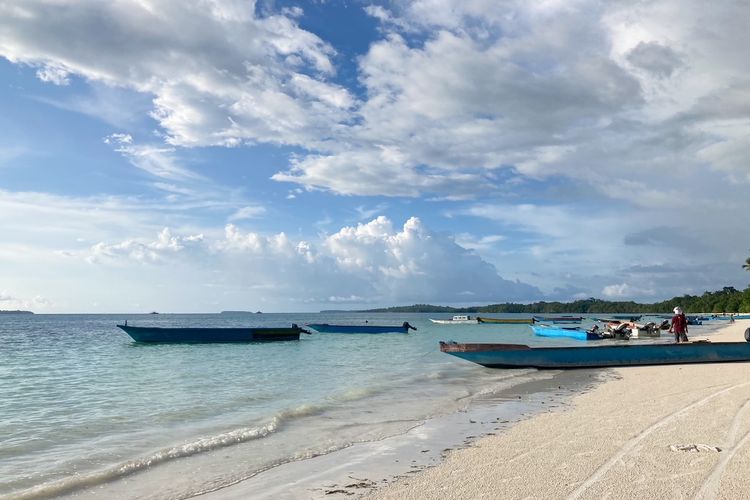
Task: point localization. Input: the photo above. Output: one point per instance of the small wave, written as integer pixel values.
(201, 445)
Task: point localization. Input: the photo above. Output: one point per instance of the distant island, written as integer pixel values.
(3, 311)
(727, 300)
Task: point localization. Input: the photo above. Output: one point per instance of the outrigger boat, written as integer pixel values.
(326, 328)
(153, 334)
(523, 356)
(506, 321)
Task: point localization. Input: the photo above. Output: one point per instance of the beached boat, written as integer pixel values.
(151, 334)
(573, 333)
(326, 328)
(523, 356)
(456, 320)
(559, 319)
(506, 321)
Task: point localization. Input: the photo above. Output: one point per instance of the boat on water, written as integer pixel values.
(459, 319)
(153, 334)
(559, 319)
(326, 328)
(629, 317)
(523, 356)
(506, 321)
(572, 333)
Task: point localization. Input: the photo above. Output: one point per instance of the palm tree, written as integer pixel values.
(746, 265)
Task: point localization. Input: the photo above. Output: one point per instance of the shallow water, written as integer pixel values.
(82, 405)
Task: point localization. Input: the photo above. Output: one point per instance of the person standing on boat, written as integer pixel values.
(679, 326)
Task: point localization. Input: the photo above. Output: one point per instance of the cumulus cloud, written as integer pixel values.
(148, 252)
(393, 265)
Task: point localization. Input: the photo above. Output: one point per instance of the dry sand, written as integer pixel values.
(680, 431)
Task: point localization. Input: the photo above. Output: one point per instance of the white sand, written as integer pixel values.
(650, 432)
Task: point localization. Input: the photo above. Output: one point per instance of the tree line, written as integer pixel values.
(726, 300)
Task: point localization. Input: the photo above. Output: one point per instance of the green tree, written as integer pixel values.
(746, 265)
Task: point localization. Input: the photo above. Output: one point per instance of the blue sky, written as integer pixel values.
(296, 156)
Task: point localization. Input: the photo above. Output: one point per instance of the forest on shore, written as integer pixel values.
(726, 300)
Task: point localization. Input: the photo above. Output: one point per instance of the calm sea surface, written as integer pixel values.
(82, 405)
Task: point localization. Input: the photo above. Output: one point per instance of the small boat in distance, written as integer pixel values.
(153, 334)
(459, 319)
(523, 356)
(326, 328)
(572, 333)
(506, 321)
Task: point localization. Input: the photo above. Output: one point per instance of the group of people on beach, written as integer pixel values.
(679, 326)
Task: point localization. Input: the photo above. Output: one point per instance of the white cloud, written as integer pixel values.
(219, 73)
(157, 160)
(144, 252)
(369, 263)
(250, 212)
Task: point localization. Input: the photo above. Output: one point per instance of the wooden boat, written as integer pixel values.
(326, 328)
(573, 333)
(629, 317)
(559, 319)
(152, 334)
(456, 320)
(506, 321)
(523, 356)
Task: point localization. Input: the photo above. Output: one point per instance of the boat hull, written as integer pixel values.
(209, 335)
(523, 356)
(326, 328)
(507, 321)
(572, 333)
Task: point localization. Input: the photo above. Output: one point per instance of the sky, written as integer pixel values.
(292, 156)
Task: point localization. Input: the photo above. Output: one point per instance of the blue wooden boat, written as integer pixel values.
(152, 334)
(523, 356)
(326, 328)
(556, 331)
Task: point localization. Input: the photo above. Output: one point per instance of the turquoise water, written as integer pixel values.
(83, 406)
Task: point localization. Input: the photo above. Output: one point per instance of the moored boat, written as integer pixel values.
(153, 334)
(573, 333)
(523, 356)
(456, 320)
(506, 321)
(629, 317)
(326, 328)
(559, 319)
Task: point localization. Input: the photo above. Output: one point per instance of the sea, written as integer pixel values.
(82, 405)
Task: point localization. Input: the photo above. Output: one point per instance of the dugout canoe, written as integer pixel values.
(326, 328)
(572, 333)
(600, 356)
(152, 334)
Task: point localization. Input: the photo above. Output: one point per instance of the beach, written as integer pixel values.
(639, 432)
(680, 431)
